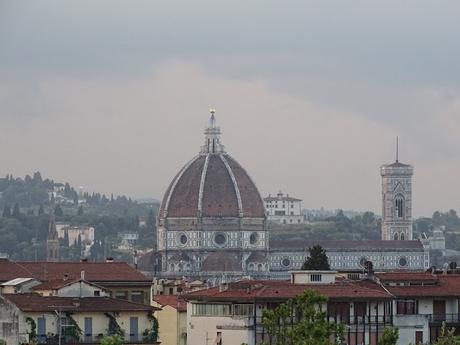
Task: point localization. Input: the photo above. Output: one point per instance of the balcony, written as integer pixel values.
(136, 339)
(447, 318)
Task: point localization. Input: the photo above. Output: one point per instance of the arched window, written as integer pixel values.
(395, 236)
(402, 236)
(399, 206)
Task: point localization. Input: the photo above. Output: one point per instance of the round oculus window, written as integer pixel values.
(402, 261)
(286, 262)
(254, 238)
(362, 261)
(220, 239)
(183, 239)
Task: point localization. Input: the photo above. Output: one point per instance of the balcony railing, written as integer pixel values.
(91, 339)
(448, 318)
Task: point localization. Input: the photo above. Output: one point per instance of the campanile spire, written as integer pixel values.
(212, 142)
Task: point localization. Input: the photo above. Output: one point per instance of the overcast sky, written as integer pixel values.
(310, 95)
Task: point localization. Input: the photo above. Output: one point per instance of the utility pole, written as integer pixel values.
(58, 311)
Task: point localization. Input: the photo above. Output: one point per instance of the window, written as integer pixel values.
(286, 262)
(395, 236)
(242, 309)
(402, 261)
(406, 307)
(183, 239)
(253, 238)
(206, 309)
(220, 239)
(137, 296)
(315, 277)
(399, 206)
(97, 293)
(121, 294)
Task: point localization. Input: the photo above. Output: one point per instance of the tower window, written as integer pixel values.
(395, 236)
(399, 206)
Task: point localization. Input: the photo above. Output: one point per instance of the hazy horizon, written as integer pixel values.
(310, 95)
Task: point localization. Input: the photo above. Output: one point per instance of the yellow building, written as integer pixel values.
(172, 319)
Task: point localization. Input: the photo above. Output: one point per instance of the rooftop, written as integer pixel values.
(31, 302)
(94, 271)
(174, 301)
(259, 289)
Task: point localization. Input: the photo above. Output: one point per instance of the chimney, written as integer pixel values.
(82, 275)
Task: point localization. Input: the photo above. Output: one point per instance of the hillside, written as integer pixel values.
(27, 202)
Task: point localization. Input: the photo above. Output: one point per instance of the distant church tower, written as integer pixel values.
(396, 200)
(52, 241)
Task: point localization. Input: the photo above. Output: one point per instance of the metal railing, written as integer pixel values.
(448, 318)
(90, 339)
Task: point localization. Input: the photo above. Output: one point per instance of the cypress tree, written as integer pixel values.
(16, 211)
(6, 211)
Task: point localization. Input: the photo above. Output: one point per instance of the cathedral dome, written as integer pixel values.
(212, 184)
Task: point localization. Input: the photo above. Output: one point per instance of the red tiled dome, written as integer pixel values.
(212, 185)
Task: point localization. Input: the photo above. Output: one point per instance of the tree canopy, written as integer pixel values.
(317, 260)
(300, 321)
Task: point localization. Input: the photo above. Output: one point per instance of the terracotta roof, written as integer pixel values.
(94, 271)
(447, 286)
(397, 276)
(346, 245)
(59, 283)
(250, 290)
(216, 187)
(221, 262)
(35, 303)
(174, 301)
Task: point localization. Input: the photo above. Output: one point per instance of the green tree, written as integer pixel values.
(41, 210)
(390, 336)
(112, 340)
(317, 260)
(6, 211)
(80, 211)
(16, 211)
(447, 337)
(58, 211)
(300, 321)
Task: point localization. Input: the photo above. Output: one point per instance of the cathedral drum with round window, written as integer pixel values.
(220, 239)
(403, 261)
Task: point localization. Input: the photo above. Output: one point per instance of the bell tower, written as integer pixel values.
(397, 200)
(52, 241)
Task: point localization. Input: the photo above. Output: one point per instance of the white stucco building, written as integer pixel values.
(284, 209)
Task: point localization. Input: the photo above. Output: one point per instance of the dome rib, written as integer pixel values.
(235, 185)
(203, 178)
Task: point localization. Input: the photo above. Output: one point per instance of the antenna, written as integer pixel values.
(397, 149)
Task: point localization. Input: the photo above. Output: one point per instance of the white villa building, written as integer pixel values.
(283, 209)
